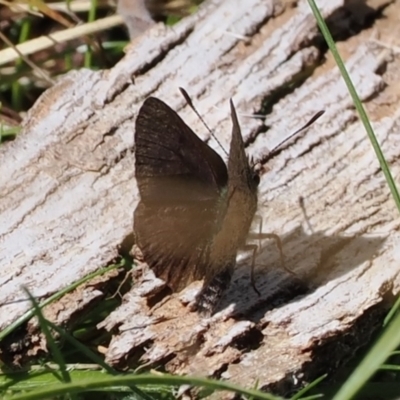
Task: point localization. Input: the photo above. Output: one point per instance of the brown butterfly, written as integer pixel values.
(194, 211)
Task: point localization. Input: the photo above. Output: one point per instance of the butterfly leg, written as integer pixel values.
(305, 215)
(253, 248)
(260, 236)
(212, 291)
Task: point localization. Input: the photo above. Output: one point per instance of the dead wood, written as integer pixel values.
(68, 192)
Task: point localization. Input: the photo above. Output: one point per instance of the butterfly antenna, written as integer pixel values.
(309, 123)
(191, 105)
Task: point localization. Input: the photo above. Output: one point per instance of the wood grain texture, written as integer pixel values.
(68, 193)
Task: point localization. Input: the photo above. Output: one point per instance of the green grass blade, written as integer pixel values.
(302, 392)
(145, 379)
(94, 357)
(389, 340)
(393, 311)
(89, 52)
(357, 103)
(82, 348)
(16, 88)
(28, 315)
(51, 343)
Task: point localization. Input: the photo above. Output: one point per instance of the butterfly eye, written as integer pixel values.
(256, 178)
(256, 171)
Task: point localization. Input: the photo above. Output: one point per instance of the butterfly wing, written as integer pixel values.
(241, 174)
(241, 206)
(242, 186)
(181, 181)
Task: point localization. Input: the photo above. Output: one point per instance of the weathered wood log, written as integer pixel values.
(68, 192)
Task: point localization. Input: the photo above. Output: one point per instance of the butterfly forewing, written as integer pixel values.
(181, 181)
(168, 150)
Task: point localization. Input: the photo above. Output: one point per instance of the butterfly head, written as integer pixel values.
(255, 170)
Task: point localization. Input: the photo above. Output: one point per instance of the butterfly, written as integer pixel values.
(194, 211)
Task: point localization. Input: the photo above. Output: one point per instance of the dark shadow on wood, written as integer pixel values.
(328, 257)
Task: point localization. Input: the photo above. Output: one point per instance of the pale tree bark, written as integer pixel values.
(68, 191)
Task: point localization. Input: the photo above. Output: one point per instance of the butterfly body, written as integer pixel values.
(194, 212)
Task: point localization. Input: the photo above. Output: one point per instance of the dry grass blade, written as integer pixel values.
(20, 8)
(19, 54)
(45, 42)
(51, 13)
(75, 6)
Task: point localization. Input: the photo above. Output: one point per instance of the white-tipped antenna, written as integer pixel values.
(310, 122)
(190, 104)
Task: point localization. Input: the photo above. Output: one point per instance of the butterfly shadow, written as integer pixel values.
(315, 259)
